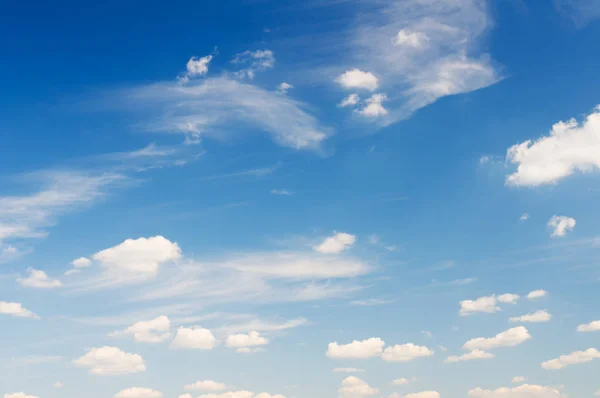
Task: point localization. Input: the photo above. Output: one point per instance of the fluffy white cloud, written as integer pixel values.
(138, 392)
(106, 361)
(518, 379)
(424, 394)
(284, 87)
(509, 338)
(411, 39)
(198, 66)
(374, 106)
(348, 370)
(353, 387)
(573, 358)
(561, 225)
(19, 395)
(508, 298)
(137, 259)
(16, 310)
(405, 352)
(524, 217)
(536, 317)
(589, 327)
(39, 279)
(251, 339)
(194, 338)
(81, 262)
(357, 349)
(153, 331)
(537, 294)
(350, 100)
(524, 391)
(205, 385)
(336, 243)
(403, 381)
(482, 304)
(470, 356)
(570, 147)
(357, 79)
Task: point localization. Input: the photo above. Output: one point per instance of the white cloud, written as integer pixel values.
(487, 305)
(473, 355)
(251, 339)
(198, 66)
(58, 384)
(348, 370)
(518, 380)
(263, 326)
(336, 243)
(353, 387)
(536, 317)
(358, 79)
(405, 352)
(374, 106)
(19, 395)
(81, 262)
(72, 271)
(561, 225)
(138, 392)
(284, 87)
(212, 106)
(570, 147)
(357, 349)
(524, 217)
(508, 338)
(508, 298)
(282, 192)
(424, 394)
(194, 338)
(589, 327)
(39, 279)
(537, 294)
(573, 358)
(257, 61)
(524, 391)
(248, 350)
(205, 385)
(137, 259)
(403, 381)
(106, 361)
(153, 331)
(350, 100)
(16, 310)
(411, 39)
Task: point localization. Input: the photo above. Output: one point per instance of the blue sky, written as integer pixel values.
(265, 199)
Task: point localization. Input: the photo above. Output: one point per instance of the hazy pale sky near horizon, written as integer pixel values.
(301, 199)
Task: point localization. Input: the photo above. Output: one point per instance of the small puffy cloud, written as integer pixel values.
(353, 387)
(137, 259)
(508, 298)
(374, 106)
(470, 356)
(81, 262)
(357, 79)
(524, 217)
(19, 395)
(153, 331)
(408, 38)
(348, 370)
(205, 385)
(198, 66)
(518, 380)
(487, 305)
(561, 225)
(536, 294)
(337, 243)
(573, 358)
(284, 87)
(403, 381)
(350, 100)
(39, 279)
(194, 338)
(424, 394)
(589, 327)
(107, 361)
(357, 349)
(16, 310)
(536, 317)
(58, 384)
(251, 339)
(524, 391)
(138, 392)
(405, 352)
(570, 147)
(508, 338)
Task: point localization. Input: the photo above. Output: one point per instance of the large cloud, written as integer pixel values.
(107, 361)
(16, 310)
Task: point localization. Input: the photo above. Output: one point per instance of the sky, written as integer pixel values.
(301, 199)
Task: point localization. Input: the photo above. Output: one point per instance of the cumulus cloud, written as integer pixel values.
(470, 356)
(405, 352)
(374, 106)
(16, 310)
(81, 262)
(508, 338)
(205, 385)
(39, 279)
(424, 394)
(524, 391)
(336, 243)
(153, 331)
(194, 338)
(403, 381)
(524, 217)
(536, 317)
(589, 327)
(536, 294)
(251, 339)
(19, 395)
(198, 66)
(350, 100)
(573, 358)
(284, 87)
(353, 387)
(508, 298)
(357, 349)
(107, 361)
(561, 225)
(138, 392)
(488, 304)
(569, 148)
(358, 79)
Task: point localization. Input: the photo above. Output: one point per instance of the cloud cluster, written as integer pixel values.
(153, 331)
(573, 358)
(488, 304)
(524, 391)
(374, 347)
